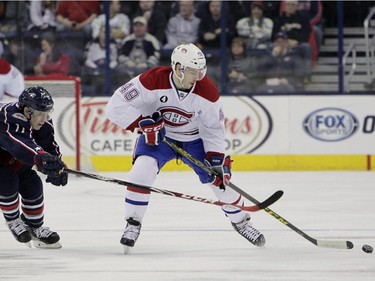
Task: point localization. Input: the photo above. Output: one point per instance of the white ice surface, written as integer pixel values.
(186, 240)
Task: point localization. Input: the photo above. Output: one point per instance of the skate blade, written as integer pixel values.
(28, 244)
(127, 250)
(41, 245)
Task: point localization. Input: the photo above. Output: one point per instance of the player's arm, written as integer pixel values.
(128, 116)
(212, 132)
(123, 108)
(16, 140)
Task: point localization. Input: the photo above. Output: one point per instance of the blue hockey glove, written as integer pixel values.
(153, 128)
(220, 164)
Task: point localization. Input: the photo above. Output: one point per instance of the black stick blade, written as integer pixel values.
(272, 199)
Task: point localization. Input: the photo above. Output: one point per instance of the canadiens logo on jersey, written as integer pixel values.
(176, 117)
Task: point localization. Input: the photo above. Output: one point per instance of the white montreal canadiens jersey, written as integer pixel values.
(188, 115)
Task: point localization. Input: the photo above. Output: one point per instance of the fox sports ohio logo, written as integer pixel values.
(330, 124)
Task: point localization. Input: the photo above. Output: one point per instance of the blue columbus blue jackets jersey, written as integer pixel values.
(19, 141)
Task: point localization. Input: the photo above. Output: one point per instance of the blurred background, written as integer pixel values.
(297, 77)
(267, 47)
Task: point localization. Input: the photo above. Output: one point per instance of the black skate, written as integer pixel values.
(131, 233)
(249, 232)
(44, 238)
(20, 231)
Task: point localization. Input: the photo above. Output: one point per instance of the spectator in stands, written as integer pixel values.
(313, 11)
(43, 15)
(156, 19)
(19, 55)
(183, 27)
(51, 61)
(141, 50)
(297, 28)
(13, 18)
(12, 82)
(256, 29)
(95, 54)
(12, 53)
(77, 15)
(119, 24)
(282, 68)
(241, 68)
(93, 71)
(210, 27)
(238, 9)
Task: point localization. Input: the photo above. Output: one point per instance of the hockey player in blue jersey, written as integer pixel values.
(183, 105)
(27, 140)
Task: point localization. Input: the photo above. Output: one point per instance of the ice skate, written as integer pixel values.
(20, 231)
(249, 232)
(131, 234)
(44, 238)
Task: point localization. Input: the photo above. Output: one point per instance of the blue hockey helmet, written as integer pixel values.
(37, 98)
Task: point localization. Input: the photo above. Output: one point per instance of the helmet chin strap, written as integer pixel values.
(180, 79)
(30, 112)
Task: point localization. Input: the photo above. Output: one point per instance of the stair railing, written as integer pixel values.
(348, 78)
(370, 47)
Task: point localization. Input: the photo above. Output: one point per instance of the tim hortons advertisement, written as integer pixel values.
(248, 125)
(272, 125)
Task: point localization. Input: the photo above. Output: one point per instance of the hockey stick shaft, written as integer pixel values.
(210, 170)
(319, 243)
(254, 208)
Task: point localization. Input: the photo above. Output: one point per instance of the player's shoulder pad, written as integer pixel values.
(206, 89)
(156, 78)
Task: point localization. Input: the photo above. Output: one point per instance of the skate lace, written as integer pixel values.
(42, 232)
(132, 232)
(17, 226)
(248, 231)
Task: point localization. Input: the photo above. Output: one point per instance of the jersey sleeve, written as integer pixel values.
(16, 83)
(128, 104)
(212, 128)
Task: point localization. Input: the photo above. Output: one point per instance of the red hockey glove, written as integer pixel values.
(153, 128)
(220, 164)
(48, 164)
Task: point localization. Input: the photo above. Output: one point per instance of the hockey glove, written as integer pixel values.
(221, 165)
(48, 164)
(153, 128)
(58, 179)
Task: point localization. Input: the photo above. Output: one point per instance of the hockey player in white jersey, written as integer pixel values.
(181, 104)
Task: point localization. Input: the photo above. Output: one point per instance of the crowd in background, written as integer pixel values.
(272, 45)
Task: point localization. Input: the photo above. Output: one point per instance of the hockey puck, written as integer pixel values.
(367, 249)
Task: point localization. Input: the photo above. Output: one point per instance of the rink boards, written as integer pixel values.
(319, 132)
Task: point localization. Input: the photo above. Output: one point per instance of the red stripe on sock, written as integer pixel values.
(33, 212)
(10, 207)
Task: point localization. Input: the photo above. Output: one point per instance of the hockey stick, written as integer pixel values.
(253, 208)
(320, 243)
